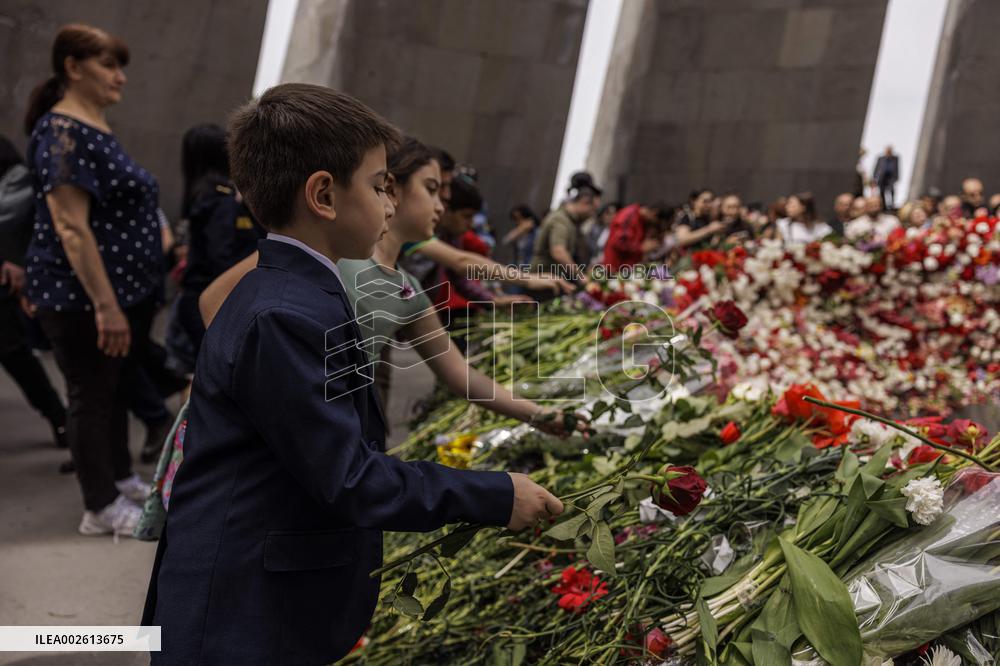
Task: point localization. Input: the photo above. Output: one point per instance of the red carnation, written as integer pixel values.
(923, 454)
(966, 433)
(710, 258)
(729, 318)
(578, 588)
(682, 494)
(730, 433)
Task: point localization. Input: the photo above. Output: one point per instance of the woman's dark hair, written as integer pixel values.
(809, 204)
(465, 194)
(443, 158)
(77, 41)
(408, 158)
(524, 212)
(204, 162)
(9, 155)
(695, 193)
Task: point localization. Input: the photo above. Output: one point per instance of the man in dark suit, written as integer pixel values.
(886, 174)
(277, 512)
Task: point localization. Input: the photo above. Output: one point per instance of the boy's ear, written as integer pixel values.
(320, 195)
(392, 189)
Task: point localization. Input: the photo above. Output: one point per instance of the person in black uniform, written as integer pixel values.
(222, 230)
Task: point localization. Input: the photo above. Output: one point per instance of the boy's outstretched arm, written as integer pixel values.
(321, 442)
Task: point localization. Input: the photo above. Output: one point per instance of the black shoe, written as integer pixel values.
(67, 467)
(156, 434)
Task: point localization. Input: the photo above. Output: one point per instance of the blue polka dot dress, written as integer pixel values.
(124, 199)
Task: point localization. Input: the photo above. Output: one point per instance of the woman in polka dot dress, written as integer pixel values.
(94, 264)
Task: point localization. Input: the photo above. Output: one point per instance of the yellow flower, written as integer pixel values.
(458, 452)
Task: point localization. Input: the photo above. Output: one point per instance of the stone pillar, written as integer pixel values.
(192, 61)
(490, 81)
(764, 98)
(963, 103)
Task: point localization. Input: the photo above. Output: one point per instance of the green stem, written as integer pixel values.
(901, 428)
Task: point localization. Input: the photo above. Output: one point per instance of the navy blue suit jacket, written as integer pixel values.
(277, 511)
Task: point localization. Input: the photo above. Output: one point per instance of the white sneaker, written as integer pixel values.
(119, 517)
(133, 488)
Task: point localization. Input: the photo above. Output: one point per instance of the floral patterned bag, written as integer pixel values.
(154, 511)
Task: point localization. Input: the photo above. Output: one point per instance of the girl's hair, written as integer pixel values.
(809, 204)
(204, 162)
(524, 212)
(408, 158)
(9, 155)
(78, 41)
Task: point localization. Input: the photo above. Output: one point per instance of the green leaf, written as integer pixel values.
(567, 530)
(823, 607)
(709, 631)
(848, 467)
(407, 605)
(876, 464)
(814, 513)
(602, 548)
(864, 488)
(790, 448)
(455, 542)
(436, 606)
(893, 510)
(409, 584)
(634, 421)
(599, 408)
(594, 508)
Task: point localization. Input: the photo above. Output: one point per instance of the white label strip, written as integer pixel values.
(64, 638)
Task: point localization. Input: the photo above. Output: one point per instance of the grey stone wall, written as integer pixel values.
(488, 80)
(963, 103)
(765, 97)
(192, 61)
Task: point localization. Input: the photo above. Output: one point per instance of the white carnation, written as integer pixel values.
(925, 499)
(750, 391)
(872, 433)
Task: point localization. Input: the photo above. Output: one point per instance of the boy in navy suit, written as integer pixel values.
(277, 513)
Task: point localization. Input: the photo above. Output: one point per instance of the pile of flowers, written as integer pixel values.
(909, 326)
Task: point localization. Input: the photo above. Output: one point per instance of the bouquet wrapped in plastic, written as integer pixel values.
(938, 577)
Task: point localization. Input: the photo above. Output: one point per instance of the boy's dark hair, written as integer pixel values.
(464, 194)
(294, 130)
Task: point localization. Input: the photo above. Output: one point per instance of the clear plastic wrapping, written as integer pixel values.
(938, 577)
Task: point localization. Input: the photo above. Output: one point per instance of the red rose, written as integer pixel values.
(730, 433)
(657, 642)
(578, 588)
(923, 454)
(681, 495)
(966, 433)
(729, 318)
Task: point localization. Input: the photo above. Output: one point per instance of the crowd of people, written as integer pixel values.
(283, 226)
(89, 259)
